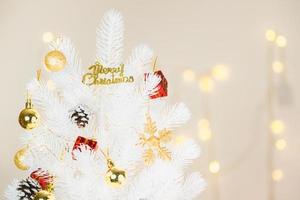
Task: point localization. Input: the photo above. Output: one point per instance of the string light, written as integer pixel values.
(277, 126)
(189, 75)
(48, 37)
(281, 41)
(220, 72)
(205, 133)
(203, 123)
(270, 35)
(280, 144)
(277, 175)
(206, 83)
(277, 67)
(214, 167)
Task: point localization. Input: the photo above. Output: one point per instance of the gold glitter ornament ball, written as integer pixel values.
(29, 117)
(19, 157)
(115, 177)
(55, 61)
(44, 195)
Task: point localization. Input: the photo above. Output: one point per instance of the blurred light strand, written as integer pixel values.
(281, 41)
(276, 126)
(214, 167)
(189, 75)
(277, 67)
(280, 144)
(206, 83)
(48, 37)
(270, 35)
(277, 175)
(204, 130)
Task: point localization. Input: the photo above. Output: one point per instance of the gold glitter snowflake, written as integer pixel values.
(153, 140)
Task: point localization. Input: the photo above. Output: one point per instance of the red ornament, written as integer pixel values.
(84, 141)
(43, 178)
(162, 87)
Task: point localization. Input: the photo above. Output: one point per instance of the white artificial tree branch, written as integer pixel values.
(117, 117)
(110, 39)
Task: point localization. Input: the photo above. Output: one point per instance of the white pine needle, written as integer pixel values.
(110, 39)
(184, 154)
(193, 186)
(140, 59)
(175, 116)
(151, 83)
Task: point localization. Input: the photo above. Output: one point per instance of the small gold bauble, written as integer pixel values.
(115, 177)
(55, 61)
(19, 157)
(29, 118)
(44, 195)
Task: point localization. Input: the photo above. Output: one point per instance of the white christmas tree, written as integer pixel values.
(104, 133)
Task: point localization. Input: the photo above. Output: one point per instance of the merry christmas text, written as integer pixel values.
(113, 75)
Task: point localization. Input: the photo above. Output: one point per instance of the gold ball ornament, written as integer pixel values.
(55, 61)
(19, 157)
(115, 177)
(29, 117)
(44, 195)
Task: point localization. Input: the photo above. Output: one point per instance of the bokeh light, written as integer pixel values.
(277, 126)
(281, 41)
(48, 37)
(277, 67)
(180, 139)
(206, 83)
(214, 167)
(189, 75)
(205, 134)
(204, 130)
(277, 175)
(280, 144)
(220, 72)
(203, 123)
(270, 35)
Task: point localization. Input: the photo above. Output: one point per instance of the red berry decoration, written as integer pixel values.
(43, 178)
(162, 87)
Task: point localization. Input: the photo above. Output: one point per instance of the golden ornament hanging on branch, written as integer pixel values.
(114, 176)
(153, 140)
(29, 117)
(44, 195)
(55, 61)
(19, 157)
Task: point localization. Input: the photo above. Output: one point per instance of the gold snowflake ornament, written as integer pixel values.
(153, 140)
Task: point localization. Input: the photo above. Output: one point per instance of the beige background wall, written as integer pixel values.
(185, 34)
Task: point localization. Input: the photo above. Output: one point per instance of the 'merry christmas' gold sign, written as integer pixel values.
(113, 75)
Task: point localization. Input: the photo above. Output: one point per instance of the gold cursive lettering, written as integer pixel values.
(93, 77)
